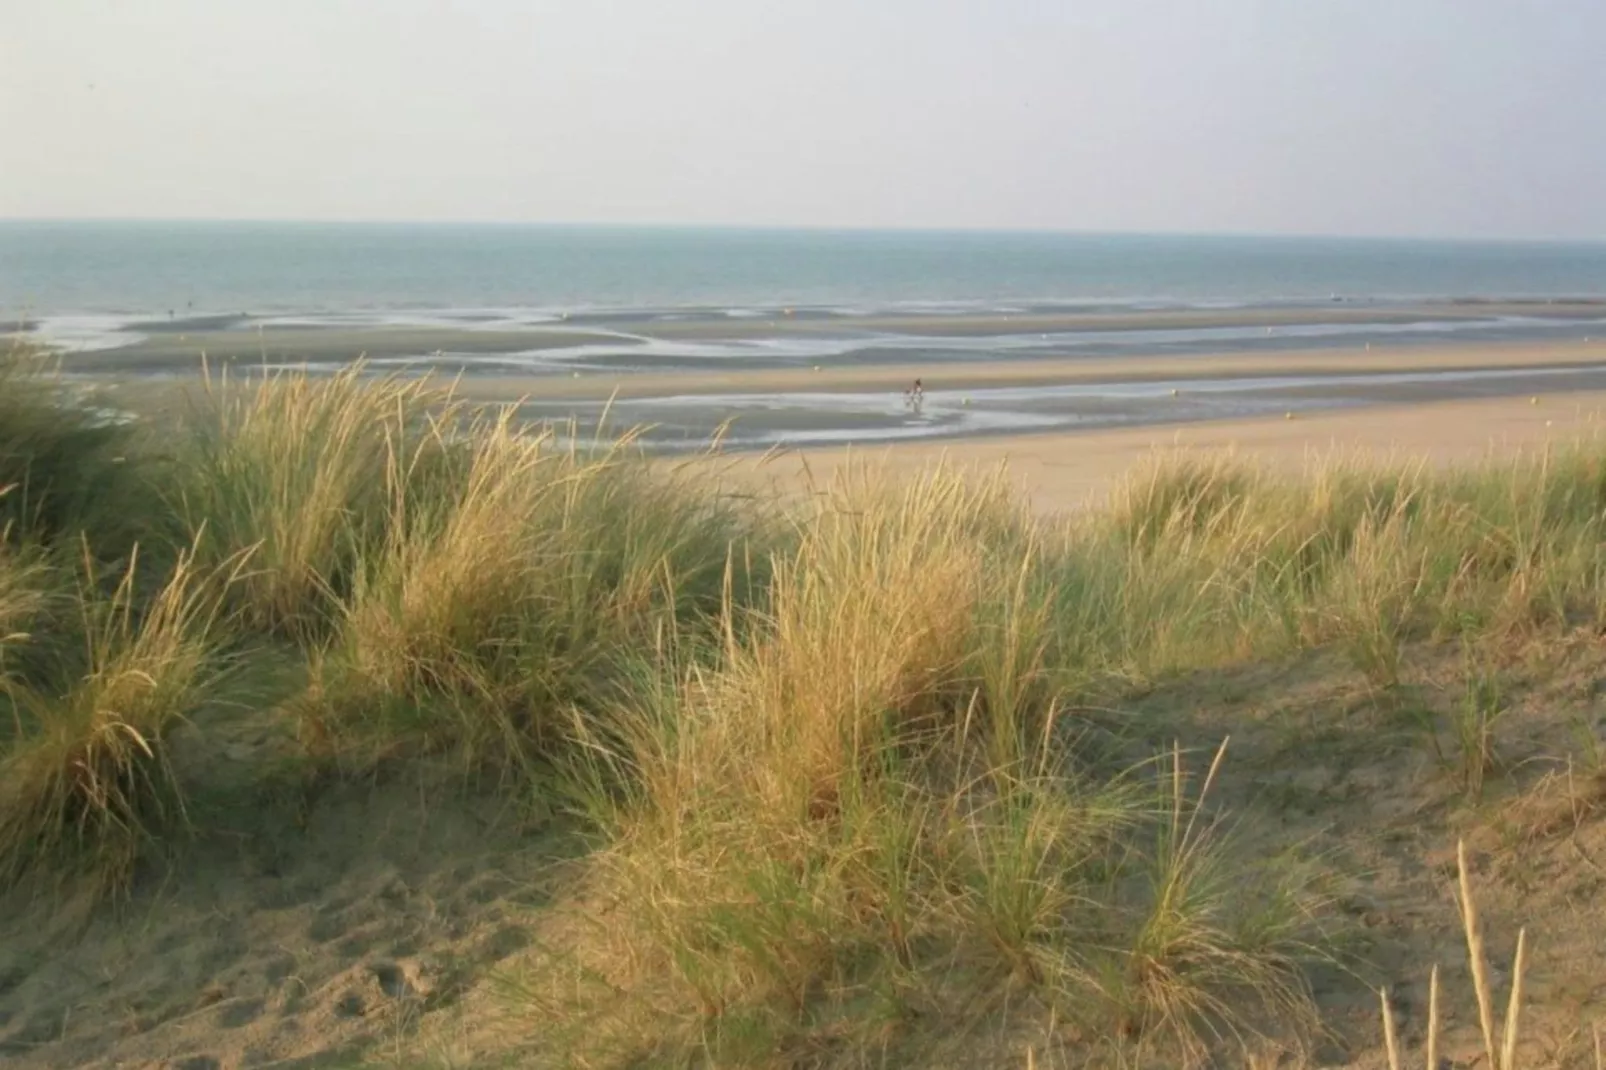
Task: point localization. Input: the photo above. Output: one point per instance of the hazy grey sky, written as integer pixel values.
(1434, 117)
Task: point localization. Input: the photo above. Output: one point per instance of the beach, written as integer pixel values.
(321, 904)
(990, 407)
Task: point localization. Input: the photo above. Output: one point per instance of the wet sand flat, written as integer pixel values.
(1057, 321)
(972, 375)
(165, 346)
(980, 375)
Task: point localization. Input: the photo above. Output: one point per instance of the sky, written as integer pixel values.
(1442, 118)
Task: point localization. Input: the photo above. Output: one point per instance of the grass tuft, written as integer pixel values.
(85, 781)
(500, 603)
(63, 460)
(291, 468)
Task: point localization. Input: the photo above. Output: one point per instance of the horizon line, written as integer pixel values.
(817, 228)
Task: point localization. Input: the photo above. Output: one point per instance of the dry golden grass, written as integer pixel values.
(870, 795)
(292, 469)
(85, 782)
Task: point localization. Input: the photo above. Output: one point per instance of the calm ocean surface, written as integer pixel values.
(143, 269)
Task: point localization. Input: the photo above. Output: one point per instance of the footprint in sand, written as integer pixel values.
(393, 980)
(351, 1005)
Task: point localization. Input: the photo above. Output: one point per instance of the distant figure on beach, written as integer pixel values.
(915, 396)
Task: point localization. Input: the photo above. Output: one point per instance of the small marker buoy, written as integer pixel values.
(967, 401)
(575, 374)
(1175, 392)
(1533, 400)
(1549, 422)
(1288, 416)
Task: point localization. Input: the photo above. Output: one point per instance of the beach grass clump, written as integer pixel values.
(41, 636)
(293, 469)
(64, 466)
(1212, 562)
(24, 592)
(85, 781)
(502, 600)
(869, 798)
(1210, 956)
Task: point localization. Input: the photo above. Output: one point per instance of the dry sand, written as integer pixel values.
(1069, 470)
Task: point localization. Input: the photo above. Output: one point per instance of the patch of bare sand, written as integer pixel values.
(1067, 471)
(316, 926)
(1322, 766)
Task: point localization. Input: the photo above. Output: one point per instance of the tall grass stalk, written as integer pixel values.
(1500, 1047)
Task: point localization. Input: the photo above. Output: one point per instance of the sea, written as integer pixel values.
(89, 285)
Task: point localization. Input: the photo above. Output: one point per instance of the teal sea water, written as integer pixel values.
(138, 269)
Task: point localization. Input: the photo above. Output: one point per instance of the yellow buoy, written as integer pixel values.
(1288, 416)
(1533, 400)
(1175, 392)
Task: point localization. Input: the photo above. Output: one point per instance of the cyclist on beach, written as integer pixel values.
(915, 396)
